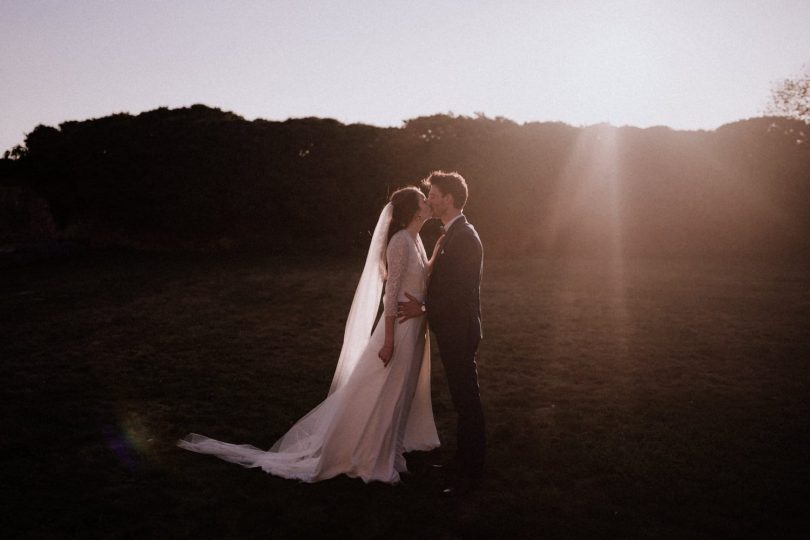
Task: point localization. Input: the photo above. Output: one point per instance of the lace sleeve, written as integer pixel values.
(397, 257)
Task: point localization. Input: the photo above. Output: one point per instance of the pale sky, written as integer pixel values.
(687, 64)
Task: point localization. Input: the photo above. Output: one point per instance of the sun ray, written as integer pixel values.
(585, 226)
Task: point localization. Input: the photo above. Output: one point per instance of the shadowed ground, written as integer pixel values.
(651, 398)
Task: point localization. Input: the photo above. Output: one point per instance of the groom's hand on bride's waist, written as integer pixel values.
(410, 309)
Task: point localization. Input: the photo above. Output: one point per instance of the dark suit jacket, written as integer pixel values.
(453, 300)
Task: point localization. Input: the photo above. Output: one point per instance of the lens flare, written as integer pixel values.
(129, 441)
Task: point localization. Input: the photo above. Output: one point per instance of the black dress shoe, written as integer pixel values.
(448, 466)
(460, 486)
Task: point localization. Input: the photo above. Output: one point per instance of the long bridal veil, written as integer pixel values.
(365, 304)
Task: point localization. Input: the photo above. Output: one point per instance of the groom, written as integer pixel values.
(453, 310)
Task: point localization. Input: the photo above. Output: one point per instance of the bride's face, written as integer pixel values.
(424, 209)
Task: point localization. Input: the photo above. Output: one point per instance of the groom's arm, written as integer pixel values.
(410, 309)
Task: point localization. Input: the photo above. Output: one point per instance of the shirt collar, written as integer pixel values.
(450, 223)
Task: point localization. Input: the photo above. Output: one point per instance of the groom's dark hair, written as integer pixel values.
(449, 183)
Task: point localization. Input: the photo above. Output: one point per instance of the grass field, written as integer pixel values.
(648, 399)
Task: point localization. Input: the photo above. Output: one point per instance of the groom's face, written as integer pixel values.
(439, 202)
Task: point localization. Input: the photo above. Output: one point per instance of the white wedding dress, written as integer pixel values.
(373, 413)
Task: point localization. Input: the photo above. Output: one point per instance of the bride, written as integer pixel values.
(378, 406)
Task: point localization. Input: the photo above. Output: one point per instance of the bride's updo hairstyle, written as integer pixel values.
(405, 204)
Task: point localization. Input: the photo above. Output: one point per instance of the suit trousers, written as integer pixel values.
(458, 359)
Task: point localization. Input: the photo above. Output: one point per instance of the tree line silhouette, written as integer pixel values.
(202, 178)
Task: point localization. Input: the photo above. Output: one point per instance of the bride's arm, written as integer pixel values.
(397, 258)
(413, 307)
(436, 247)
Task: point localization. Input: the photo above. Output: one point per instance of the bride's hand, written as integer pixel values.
(386, 353)
(437, 246)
